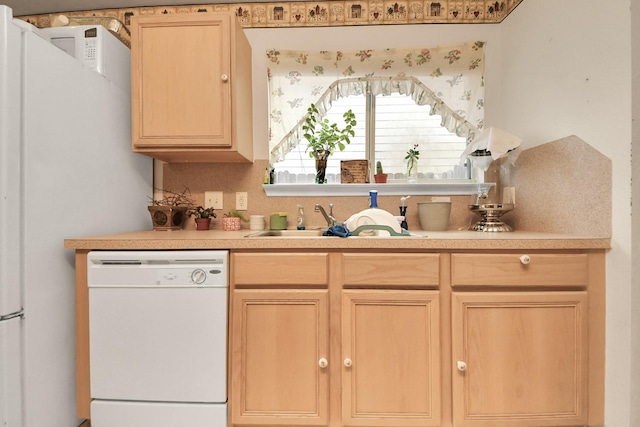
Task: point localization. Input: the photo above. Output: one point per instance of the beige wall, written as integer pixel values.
(635, 234)
(567, 70)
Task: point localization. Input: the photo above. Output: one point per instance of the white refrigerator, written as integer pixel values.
(66, 170)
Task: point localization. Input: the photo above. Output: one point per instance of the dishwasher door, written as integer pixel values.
(158, 330)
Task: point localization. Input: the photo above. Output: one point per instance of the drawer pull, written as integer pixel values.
(461, 366)
(347, 362)
(525, 259)
(225, 78)
(323, 363)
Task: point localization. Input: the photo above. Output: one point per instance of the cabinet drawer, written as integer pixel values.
(391, 269)
(288, 269)
(520, 269)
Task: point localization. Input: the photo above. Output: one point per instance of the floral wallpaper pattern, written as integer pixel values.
(449, 78)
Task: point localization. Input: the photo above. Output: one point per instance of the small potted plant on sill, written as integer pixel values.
(170, 212)
(380, 177)
(412, 157)
(202, 217)
(323, 138)
(231, 220)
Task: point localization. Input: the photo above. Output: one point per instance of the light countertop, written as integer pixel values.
(434, 240)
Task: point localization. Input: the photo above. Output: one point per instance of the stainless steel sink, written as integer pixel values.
(286, 233)
(314, 233)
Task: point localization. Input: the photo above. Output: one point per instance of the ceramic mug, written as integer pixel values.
(256, 222)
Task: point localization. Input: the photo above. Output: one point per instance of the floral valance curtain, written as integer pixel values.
(449, 78)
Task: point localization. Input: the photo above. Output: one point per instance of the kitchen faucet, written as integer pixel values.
(331, 221)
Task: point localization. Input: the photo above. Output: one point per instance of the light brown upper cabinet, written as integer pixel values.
(191, 88)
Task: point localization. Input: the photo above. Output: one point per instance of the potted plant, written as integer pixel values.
(202, 217)
(323, 138)
(231, 220)
(170, 212)
(380, 177)
(412, 163)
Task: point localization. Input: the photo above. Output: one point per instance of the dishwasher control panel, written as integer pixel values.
(204, 275)
(158, 268)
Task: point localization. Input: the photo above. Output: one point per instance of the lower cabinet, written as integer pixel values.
(279, 357)
(521, 359)
(390, 370)
(372, 339)
(391, 358)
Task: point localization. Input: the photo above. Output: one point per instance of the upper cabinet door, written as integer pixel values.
(187, 85)
(520, 359)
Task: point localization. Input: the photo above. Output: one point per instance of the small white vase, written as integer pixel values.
(412, 171)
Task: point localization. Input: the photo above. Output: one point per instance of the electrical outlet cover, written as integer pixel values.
(241, 201)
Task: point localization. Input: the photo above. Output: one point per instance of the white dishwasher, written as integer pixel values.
(158, 338)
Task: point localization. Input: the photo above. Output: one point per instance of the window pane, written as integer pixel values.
(400, 124)
(298, 163)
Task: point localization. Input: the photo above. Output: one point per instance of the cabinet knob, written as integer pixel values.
(323, 363)
(348, 362)
(525, 259)
(225, 78)
(461, 366)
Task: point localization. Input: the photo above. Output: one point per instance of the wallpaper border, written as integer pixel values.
(325, 13)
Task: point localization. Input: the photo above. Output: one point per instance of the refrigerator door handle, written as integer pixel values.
(13, 315)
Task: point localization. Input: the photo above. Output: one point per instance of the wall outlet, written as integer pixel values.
(241, 201)
(213, 199)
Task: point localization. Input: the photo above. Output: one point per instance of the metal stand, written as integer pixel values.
(490, 217)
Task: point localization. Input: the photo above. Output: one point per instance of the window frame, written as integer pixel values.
(367, 141)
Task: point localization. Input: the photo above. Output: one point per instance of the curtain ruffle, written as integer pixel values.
(409, 86)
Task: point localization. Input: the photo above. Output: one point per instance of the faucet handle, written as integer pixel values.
(333, 218)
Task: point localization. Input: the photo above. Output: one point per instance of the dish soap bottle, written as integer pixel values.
(301, 219)
(403, 213)
(373, 198)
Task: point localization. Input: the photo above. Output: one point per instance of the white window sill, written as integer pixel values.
(431, 188)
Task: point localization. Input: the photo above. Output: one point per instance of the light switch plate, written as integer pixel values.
(213, 199)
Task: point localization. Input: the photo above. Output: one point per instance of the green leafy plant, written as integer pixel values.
(201, 212)
(323, 136)
(412, 159)
(413, 153)
(236, 213)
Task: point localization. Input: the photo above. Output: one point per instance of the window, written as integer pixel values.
(433, 97)
(398, 123)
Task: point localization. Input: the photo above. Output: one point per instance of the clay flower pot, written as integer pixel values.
(380, 178)
(203, 223)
